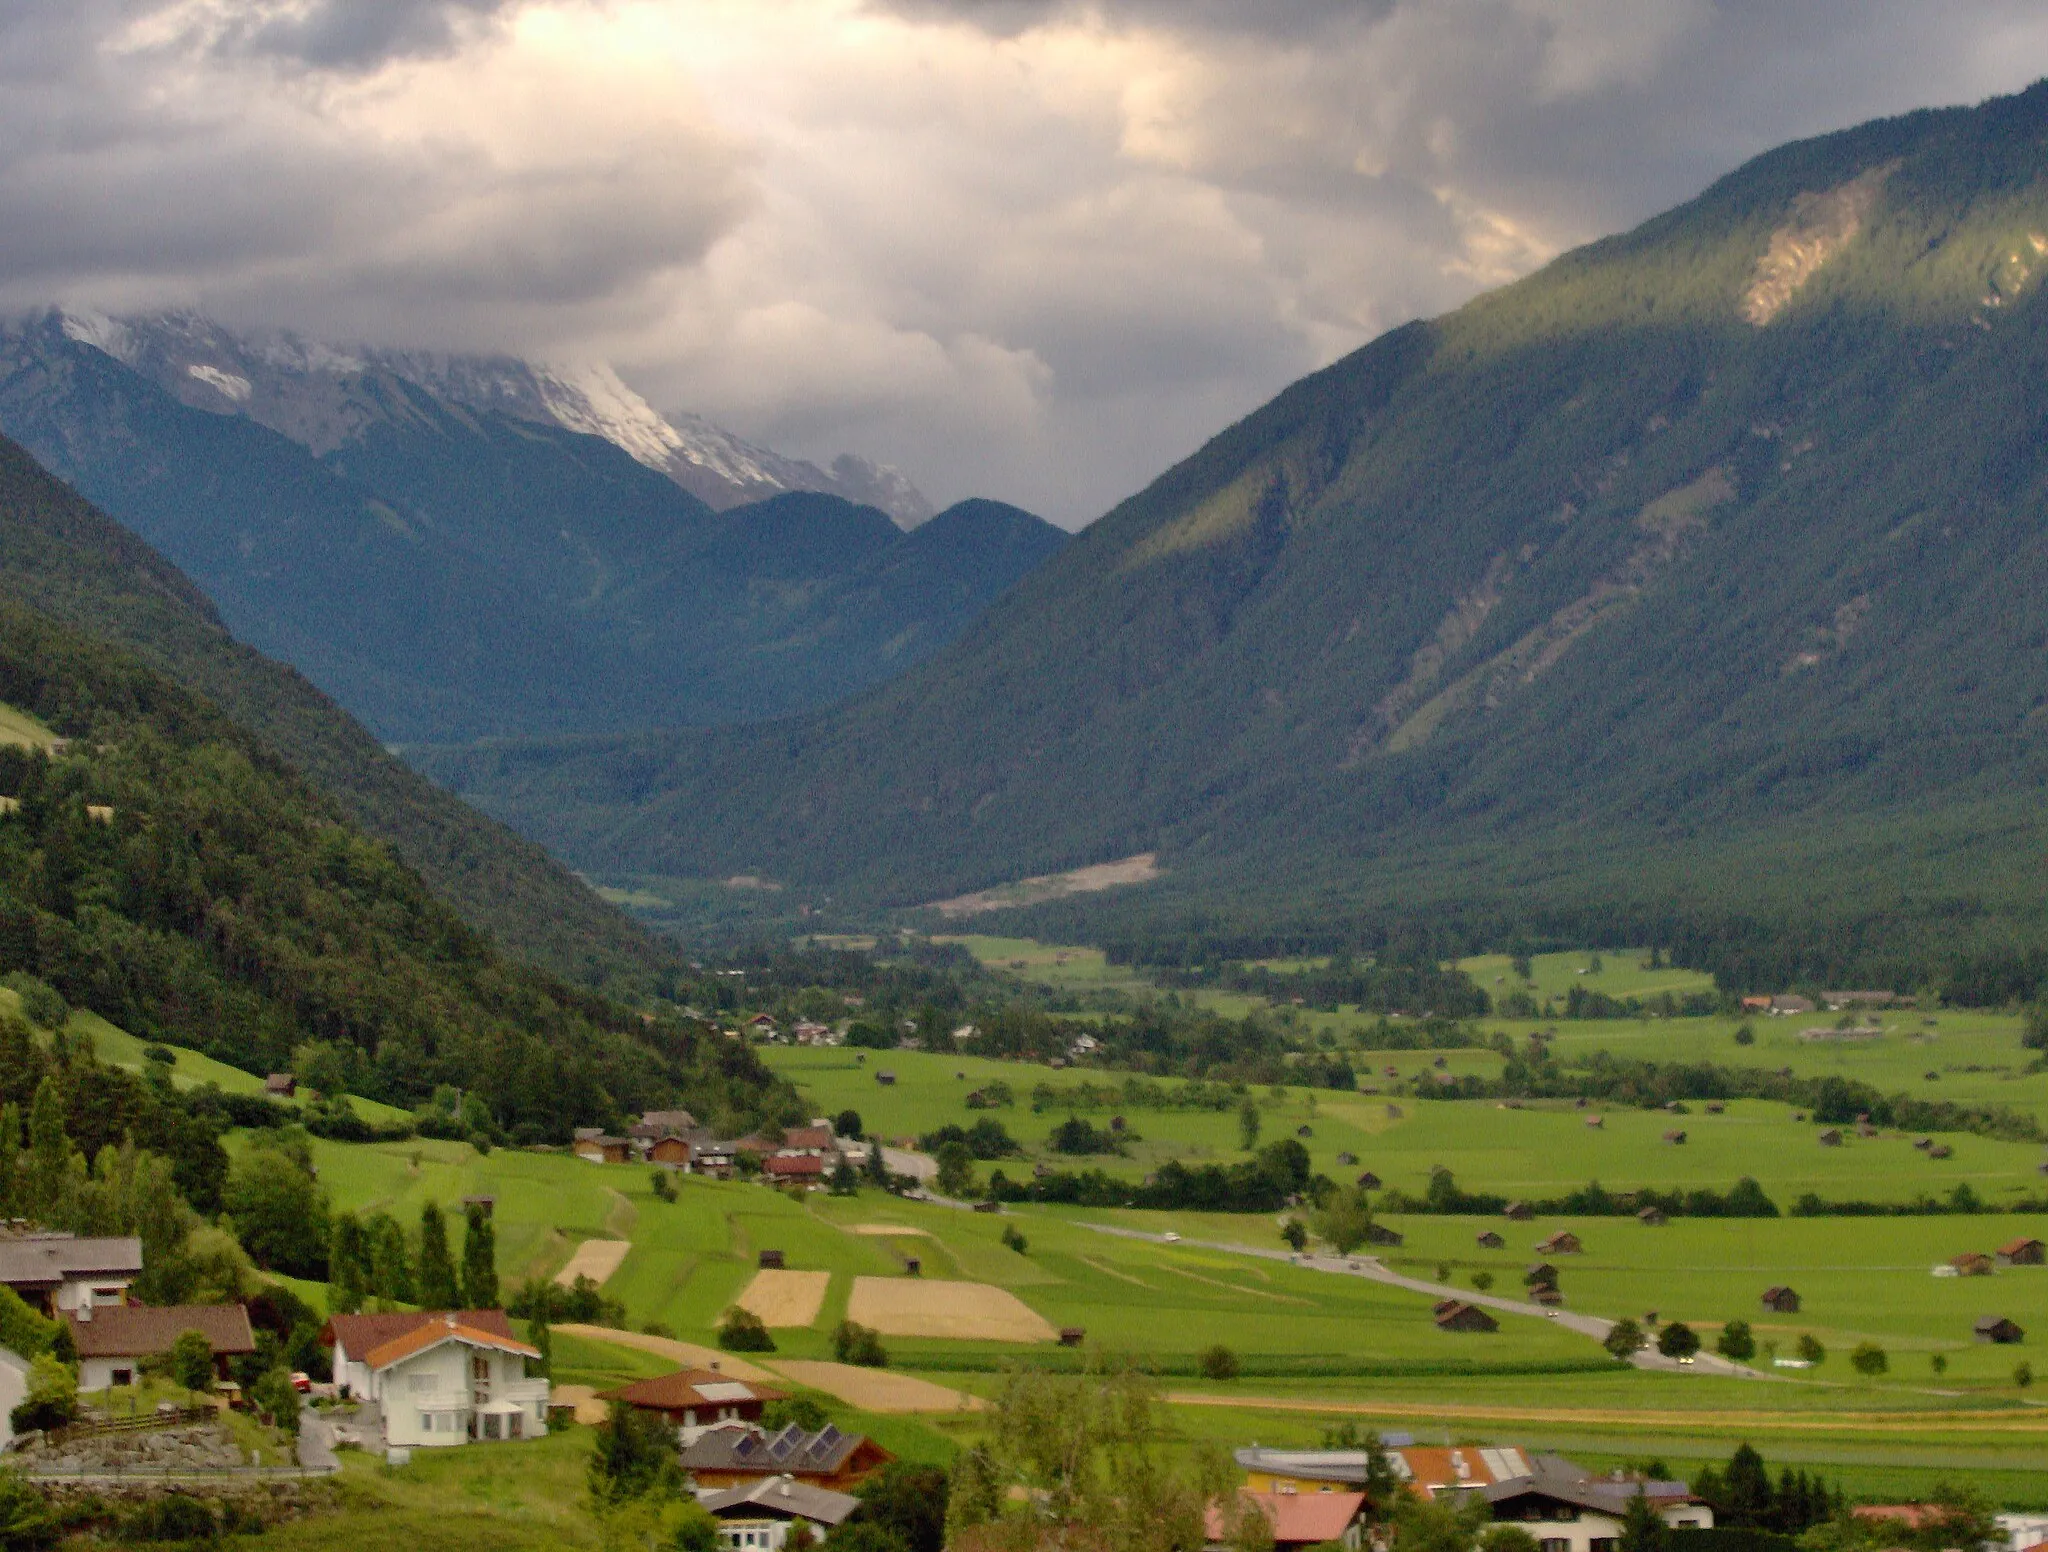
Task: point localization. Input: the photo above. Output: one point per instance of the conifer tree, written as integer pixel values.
(479, 1262)
(347, 1266)
(49, 1149)
(437, 1287)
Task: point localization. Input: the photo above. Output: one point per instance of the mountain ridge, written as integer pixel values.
(1584, 597)
(449, 572)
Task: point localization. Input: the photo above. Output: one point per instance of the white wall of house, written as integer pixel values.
(766, 1534)
(431, 1398)
(77, 1293)
(13, 1387)
(1590, 1531)
(99, 1373)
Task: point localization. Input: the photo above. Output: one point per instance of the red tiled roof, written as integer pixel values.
(1297, 1518)
(433, 1333)
(793, 1164)
(361, 1334)
(135, 1331)
(807, 1137)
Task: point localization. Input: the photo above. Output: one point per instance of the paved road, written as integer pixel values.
(1372, 1268)
(316, 1442)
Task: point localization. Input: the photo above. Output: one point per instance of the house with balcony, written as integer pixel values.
(441, 1377)
(56, 1273)
(1568, 1509)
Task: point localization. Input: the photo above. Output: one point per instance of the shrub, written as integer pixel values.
(1508, 1538)
(274, 1397)
(52, 1397)
(1745, 1036)
(1624, 1338)
(25, 1516)
(1295, 1234)
(2023, 1374)
(191, 1361)
(1015, 1239)
(174, 1517)
(1868, 1358)
(853, 1342)
(1809, 1348)
(847, 1124)
(743, 1332)
(1482, 1280)
(1219, 1363)
(804, 1411)
(1737, 1341)
(634, 1456)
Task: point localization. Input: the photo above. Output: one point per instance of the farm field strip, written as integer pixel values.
(785, 1298)
(899, 1306)
(595, 1259)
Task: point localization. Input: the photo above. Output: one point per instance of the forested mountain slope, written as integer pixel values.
(165, 870)
(66, 560)
(449, 570)
(1700, 578)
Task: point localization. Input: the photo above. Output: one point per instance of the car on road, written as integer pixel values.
(1170, 1237)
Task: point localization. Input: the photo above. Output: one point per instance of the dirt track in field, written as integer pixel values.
(688, 1355)
(595, 1259)
(886, 1228)
(877, 1390)
(910, 1306)
(785, 1298)
(1921, 1423)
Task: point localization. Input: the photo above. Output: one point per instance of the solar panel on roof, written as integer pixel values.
(829, 1434)
(746, 1446)
(781, 1447)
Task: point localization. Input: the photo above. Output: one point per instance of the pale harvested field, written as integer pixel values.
(687, 1355)
(910, 1306)
(595, 1259)
(877, 1390)
(886, 1228)
(584, 1399)
(785, 1298)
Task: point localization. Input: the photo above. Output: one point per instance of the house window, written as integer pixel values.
(426, 1422)
(480, 1366)
(1605, 1544)
(490, 1425)
(1555, 1544)
(106, 1296)
(515, 1425)
(124, 1377)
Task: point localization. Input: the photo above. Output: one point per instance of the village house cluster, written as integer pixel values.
(1311, 1497)
(798, 1155)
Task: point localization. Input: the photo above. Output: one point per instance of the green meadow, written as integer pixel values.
(1542, 1149)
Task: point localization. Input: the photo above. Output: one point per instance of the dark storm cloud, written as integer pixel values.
(363, 34)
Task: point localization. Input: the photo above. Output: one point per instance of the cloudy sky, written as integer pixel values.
(1035, 249)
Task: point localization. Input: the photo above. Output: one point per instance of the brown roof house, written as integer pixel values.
(1457, 1315)
(1972, 1263)
(281, 1085)
(1563, 1243)
(735, 1454)
(1653, 1216)
(2021, 1252)
(441, 1377)
(1520, 1212)
(56, 1272)
(697, 1400)
(1781, 1301)
(1996, 1328)
(113, 1339)
(1490, 1241)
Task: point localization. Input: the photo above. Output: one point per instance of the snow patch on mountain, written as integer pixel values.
(322, 395)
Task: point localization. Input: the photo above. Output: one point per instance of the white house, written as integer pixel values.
(441, 1377)
(1567, 1509)
(756, 1516)
(114, 1340)
(56, 1272)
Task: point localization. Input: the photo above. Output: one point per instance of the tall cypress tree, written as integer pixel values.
(437, 1287)
(347, 1266)
(49, 1149)
(1748, 1488)
(480, 1262)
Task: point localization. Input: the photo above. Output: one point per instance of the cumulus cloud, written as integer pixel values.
(1027, 248)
